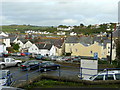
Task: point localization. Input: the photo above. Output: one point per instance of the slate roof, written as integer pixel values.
(44, 46)
(72, 39)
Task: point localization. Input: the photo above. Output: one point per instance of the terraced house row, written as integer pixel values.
(73, 45)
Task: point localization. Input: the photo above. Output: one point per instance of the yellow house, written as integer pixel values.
(78, 49)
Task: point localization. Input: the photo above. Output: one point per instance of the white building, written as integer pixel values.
(65, 29)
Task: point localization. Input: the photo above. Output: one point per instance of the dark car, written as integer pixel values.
(30, 65)
(48, 66)
(42, 65)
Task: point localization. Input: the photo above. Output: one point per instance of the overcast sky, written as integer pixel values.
(57, 12)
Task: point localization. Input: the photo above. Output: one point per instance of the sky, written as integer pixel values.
(58, 12)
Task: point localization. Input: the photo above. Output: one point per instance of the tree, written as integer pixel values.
(81, 25)
(16, 46)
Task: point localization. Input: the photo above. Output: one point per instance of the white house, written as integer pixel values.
(33, 49)
(73, 34)
(3, 34)
(60, 33)
(25, 46)
(3, 49)
(5, 40)
(65, 29)
(53, 51)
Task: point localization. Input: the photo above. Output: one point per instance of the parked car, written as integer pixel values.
(8, 62)
(107, 75)
(42, 65)
(53, 58)
(39, 57)
(22, 54)
(5, 78)
(76, 59)
(48, 65)
(16, 54)
(5, 54)
(30, 65)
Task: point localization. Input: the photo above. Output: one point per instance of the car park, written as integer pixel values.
(5, 78)
(105, 75)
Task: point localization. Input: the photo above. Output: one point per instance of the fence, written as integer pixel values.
(26, 76)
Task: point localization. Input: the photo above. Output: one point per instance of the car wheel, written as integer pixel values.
(28, 69)
(18, 64)
(2, 66)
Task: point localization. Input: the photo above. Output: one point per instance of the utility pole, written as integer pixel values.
(111, 48)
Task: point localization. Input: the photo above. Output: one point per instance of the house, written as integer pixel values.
(3, 49)
(44, 49)
(60, 33)
(73, 34)
(87, 46)
(25, 46)
(33, 49)
(65, 28)
(3, 34)
(5, 40)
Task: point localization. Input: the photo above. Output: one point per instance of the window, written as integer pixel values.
(99, 77)
(109, 77)
(91, 52)
(117, 76)
(76, 50)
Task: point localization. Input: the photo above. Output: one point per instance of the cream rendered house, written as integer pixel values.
(79, 49)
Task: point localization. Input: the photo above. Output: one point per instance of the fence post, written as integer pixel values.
(27, 76)
(59, 72)
(81, 73)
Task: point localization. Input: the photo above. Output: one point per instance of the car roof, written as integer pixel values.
(109, 72)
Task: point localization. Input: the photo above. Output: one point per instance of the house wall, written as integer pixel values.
(7, 42)
(53, 51)
(27, 44)
(77, 49)
(33, 49)
(44, 52)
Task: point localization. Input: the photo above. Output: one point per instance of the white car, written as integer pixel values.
(5, 78)
(8, 62)
(106, 75)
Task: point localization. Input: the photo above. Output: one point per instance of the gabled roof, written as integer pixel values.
(44, 46)
(12, 39)
(72, 39)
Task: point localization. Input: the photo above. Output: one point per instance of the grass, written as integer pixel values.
(60, 84)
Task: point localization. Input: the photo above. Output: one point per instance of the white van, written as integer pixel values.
(106, 75)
